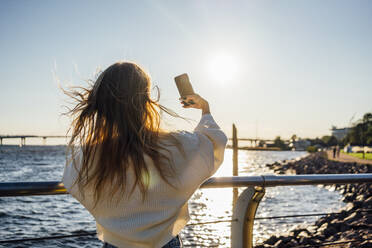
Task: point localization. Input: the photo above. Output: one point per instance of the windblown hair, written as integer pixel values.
(115, 122)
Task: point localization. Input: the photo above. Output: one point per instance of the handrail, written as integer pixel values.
(56, 187)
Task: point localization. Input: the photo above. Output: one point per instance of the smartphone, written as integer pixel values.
(184, 87)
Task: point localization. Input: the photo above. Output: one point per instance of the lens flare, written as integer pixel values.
(222, 67)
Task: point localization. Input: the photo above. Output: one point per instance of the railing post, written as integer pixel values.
(235, 161)
(243, 217)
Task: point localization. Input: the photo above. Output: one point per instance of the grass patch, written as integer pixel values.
(360, 155)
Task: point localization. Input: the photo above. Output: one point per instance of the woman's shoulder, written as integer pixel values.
(191, 142)
(182, 141)
(185, 137)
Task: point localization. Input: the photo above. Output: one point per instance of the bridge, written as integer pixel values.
(253, 142)
(23, 138)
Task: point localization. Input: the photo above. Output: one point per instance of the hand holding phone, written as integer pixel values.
(198, 103)
(188, 96)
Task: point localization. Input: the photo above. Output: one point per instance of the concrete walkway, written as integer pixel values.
(347, 158)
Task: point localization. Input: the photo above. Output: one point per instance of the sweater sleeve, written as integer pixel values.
(209, 128)
(71, 171)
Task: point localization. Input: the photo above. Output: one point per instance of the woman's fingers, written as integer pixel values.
(187, 106)
(195, 101)
(194, 97)
(192, 101)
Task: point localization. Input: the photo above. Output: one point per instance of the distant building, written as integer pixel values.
(340, 133)
(300, 145)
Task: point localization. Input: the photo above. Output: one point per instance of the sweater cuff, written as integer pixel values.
(206, 122)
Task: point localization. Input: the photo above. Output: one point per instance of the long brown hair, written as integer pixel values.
(115, 122)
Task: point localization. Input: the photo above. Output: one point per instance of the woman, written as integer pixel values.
(133, 177)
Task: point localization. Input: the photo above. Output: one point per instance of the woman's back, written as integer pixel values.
(130, 217)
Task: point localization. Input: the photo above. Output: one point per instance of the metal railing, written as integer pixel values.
(245, 208)
(56, 187)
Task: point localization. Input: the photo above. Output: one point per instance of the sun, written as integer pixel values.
(222, 67)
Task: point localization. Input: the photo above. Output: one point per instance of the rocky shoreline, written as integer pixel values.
(351, 223)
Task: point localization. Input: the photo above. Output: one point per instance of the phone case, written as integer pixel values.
(183, 84)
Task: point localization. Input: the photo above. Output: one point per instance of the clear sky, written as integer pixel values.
(271, 67)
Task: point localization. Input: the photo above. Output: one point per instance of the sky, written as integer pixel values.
(274, 68)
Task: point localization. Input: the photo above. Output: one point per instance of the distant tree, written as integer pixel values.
(311, 149)
(329, 140)
(369, 135)
(278, 142)
(361, 132)
(318, 141)
(343, 142)
(367, 120)
(294, 137)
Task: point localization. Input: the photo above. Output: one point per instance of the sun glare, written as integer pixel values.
(222, 67)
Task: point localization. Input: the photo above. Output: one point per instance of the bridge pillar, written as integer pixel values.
(23, 141)
(44, 140)
(1, 141)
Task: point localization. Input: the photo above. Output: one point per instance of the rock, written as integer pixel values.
(303, 234)
(368, 219)
(280, 244)
(272, 240)
(292, 243)
(342, 215)
(295, 232)
(349, 197)
(344, 227)
(320, 222)
(366, 244)
(360, 198)
(368, 202)
(351, 218)
(349, 207)
(286, 239)
(321, 237)
(358, 204)
(336, 224)
(307, 241)
(349, 224)
(330, 231)
(322, 227)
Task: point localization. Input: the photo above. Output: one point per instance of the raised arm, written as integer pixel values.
(208, 127)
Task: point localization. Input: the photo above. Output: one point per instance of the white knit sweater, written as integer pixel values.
(164, 212)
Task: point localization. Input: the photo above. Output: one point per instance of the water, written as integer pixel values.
(39, 216)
